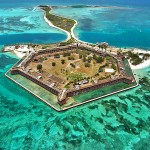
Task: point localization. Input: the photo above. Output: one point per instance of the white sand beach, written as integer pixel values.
(20, 51)
(136, 50)
(72, 32)
(68, 34)
(50, 24)
(19, 54)
(144, 64)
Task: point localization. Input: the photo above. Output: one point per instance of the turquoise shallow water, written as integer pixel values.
(26, 25)
(119, 26)
(27, 123)
(119, 122)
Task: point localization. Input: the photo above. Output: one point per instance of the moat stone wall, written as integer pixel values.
(24, 63)
(40, 83)
(96, 86)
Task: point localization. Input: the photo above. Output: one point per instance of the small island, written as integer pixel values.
(73, 72)
(65, 24)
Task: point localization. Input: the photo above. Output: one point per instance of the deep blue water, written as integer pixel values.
(41, 38)
(119, 40)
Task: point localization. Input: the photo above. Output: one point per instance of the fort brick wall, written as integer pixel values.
(96, 86)
(40, 83)
(25, 62)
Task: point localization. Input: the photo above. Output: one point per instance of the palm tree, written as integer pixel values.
(99, 45)
(105, 45)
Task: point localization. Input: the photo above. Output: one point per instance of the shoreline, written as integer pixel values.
(136, 50)
(71, 34)
(18, 54)
(51, 25)
(144, 64)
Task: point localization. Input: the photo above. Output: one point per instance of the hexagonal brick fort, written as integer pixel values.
(63, 82)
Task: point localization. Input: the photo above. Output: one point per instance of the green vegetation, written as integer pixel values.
(76, 77)
(134, 58)
(71, 40)
(56, 55)
(62, 61)
(100, 69)
(72, 65)
(98, 59)
(146, 56)
(89, 59)
(44, 47)
(66, 54)
(61, 22)
(83, 53)
(67, 86)
(113, 66)
(53, 64)
(87, 65)
(71, 58)
(97, 74)
(84, 59)
(103, 45)
(39, 67)
(108, 58)
(42, 59)
(80, 56)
